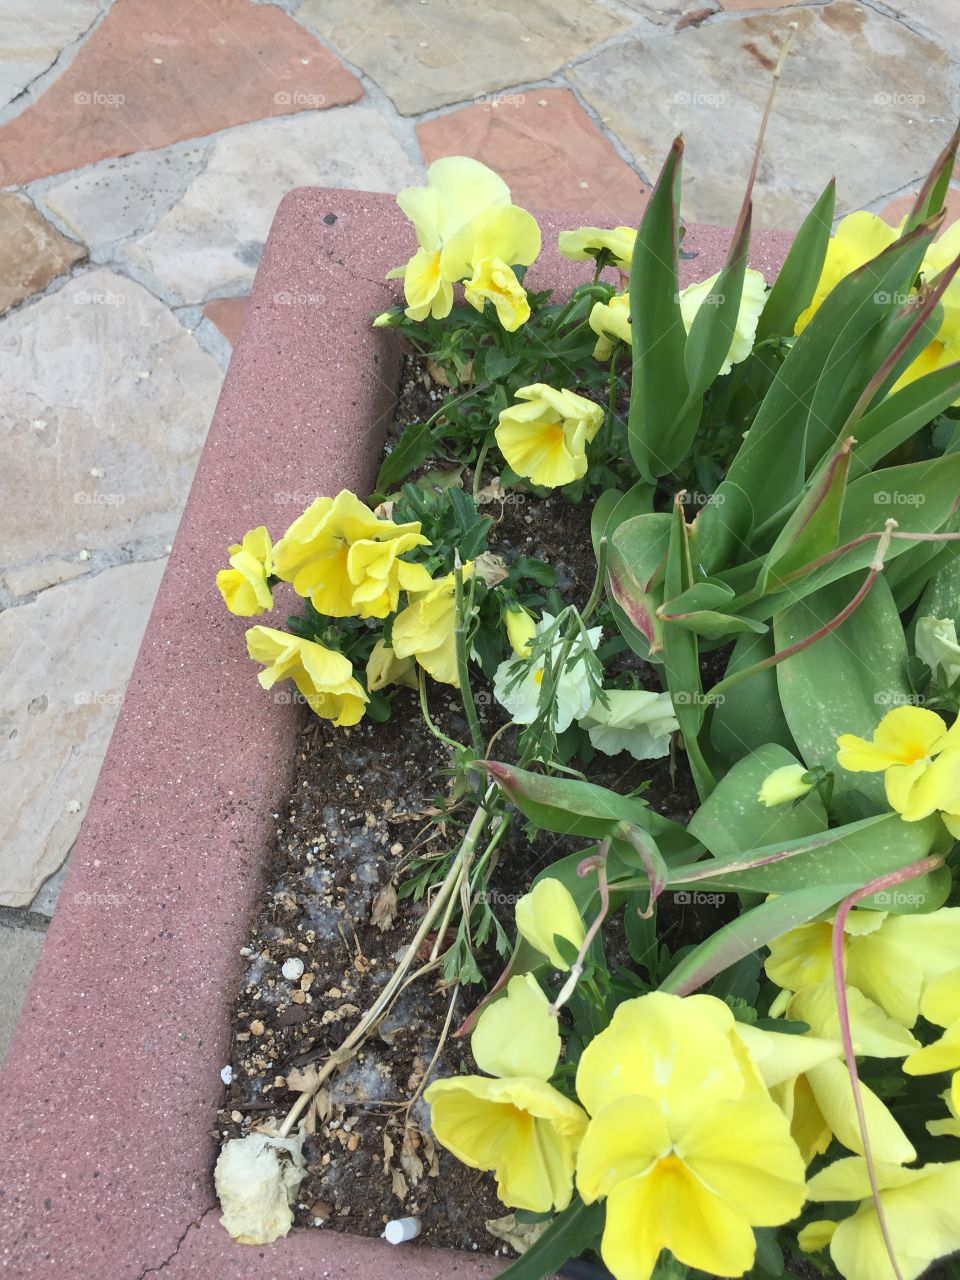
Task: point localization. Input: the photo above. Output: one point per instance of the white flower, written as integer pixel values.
(635, 720)
(521, 697)
(936, 645)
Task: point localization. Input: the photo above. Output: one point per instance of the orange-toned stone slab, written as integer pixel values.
(545, 146)
(899, 208)
(153, 73)
(756, 4)
(227, 314)
(32, 252)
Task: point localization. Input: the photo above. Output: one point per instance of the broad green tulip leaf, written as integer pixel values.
(414, 445)
(750, 715)
(941, 598)
(732, 818)
(718, 626)
(750, 931)
(799, 276)
(613, 508)
(770, 465)
(571, 807)
(813, 529)
(635, 556)
(577, 1228)
(699, 609)
(855, 853)
(681, 657)
(658, 388)
(715, 537)
(844, 682)
(901, 415)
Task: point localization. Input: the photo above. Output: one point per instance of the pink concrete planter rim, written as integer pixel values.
(112, 1082)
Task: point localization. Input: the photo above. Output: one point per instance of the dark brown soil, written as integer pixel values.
(367, 802)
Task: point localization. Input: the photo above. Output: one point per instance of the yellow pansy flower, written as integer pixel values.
(889, 958)
(385, 668)
(324, 677)
(425, 630)
(494, 281)
(338, 554)
(588, 242)
(547, 910)
(609, 321)
(783, 785)
(545, 439)
(458, 189)
(244, 585)
(921, 1208)
(918, 756)
(752, 300)
(681, 1133)
(518, 1126)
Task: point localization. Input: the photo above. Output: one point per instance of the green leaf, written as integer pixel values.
(844, 682)
(567, 805)
(612, 508)
(635, 558)
(799, 276)
(577, 1228)
(751, 715)
(413, 447)
(932, 194)
(658, 387)
(750, 931)
(813, 529)
(853, 854)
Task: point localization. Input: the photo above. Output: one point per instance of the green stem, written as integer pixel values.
(478, 469)
(463, 669)
(425, 712)
(597, 582)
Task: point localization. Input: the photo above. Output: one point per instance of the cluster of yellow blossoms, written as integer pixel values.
(348, 562)
(696, 1128)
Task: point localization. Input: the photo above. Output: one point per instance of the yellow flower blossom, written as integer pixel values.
(684, 1143)
(609, 321)
(919, 758)
(244, 585)
(752, 300)
(940, 1004)
(521, 628)
(385, 668)
(494, 281)
(425, 630)
(346, 560)
(588, 242)
(518, 1126)
(921, 1208)
(545, 439)
(859, 237)
(546, 911)
(324, 677)
(783, 785)
(889, 958)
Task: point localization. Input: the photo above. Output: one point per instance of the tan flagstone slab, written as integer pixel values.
(27, 579)
(32, 252)
(227, 314)
(941, 18)
(105, 401)
(435, 52)
(156, 73)
(65, 659)
(545, 146)
(861, 97)
(33, 34)
(209, 243)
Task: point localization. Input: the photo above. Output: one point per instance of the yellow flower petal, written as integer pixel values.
(831, 1087)
(547, 910)
(940, 1002)
(517, 1035)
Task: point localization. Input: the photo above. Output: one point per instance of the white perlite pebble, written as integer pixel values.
(292, 969)
(226, 1075)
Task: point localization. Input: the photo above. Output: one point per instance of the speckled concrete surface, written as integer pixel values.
(110, 1088)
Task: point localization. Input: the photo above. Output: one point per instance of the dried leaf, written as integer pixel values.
(383, 912)
(399, 1185)
(257, 1178)
(410, 1162)
(430, 1152)
(388, 1150)
(521, 1235)
(308, 1081)
(490, 568)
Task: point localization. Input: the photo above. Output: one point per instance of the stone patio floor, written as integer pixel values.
(144, 147)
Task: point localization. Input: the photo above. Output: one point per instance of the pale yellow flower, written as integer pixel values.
(544, 438)
(244, 586)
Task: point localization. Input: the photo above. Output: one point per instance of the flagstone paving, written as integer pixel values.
(144, 148)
